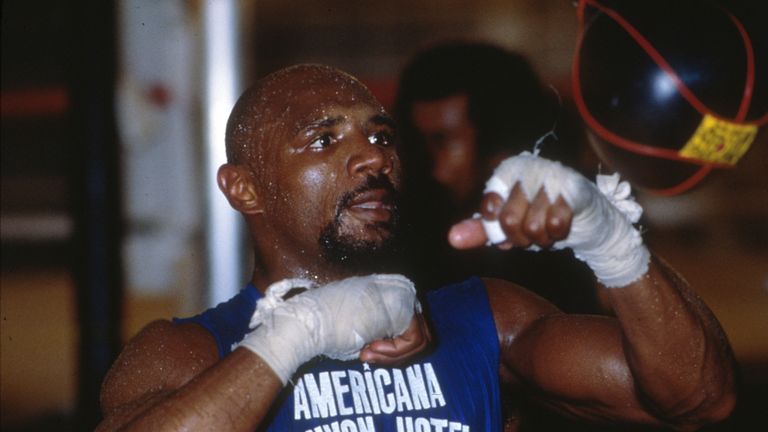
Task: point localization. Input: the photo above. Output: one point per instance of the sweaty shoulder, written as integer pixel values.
(161, 358)
(514, 309)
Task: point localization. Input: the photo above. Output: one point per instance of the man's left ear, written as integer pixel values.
(237, 184)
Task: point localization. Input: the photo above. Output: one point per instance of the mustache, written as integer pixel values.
(371, 182)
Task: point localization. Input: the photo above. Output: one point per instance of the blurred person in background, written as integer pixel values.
(462, 107)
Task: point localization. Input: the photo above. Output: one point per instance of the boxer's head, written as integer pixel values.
(313, 166)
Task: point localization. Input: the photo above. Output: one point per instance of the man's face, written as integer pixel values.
(451, 141)
(333, 170)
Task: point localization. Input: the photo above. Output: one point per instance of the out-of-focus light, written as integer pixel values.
(222, 86)
(663, 86)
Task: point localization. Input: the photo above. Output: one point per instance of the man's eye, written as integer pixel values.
(320, 142)
(381, 138)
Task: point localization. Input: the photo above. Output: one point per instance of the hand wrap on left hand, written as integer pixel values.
(602, 232)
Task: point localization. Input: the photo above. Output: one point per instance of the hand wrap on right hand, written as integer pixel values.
(602, 232)
(336, 320)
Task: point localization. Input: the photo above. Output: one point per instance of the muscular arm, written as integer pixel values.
(169, 378)
(663, 360)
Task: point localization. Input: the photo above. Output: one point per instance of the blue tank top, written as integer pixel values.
(453, 387)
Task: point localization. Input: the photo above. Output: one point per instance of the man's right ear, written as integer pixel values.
(237, 184)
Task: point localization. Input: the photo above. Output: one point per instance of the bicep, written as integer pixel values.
(576, 365)
(161, 358)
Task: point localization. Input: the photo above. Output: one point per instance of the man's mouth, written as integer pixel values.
(371, 206)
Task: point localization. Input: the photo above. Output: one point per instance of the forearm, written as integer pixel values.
(234, 394)
(676, 350)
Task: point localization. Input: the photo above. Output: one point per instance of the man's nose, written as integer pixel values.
(369, 159)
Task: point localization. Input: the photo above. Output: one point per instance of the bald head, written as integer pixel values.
(278, 103)
(313, 167)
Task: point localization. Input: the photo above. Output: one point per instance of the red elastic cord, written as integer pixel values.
(646, 45)
(618, 140)
(749, 80)
(605, 133)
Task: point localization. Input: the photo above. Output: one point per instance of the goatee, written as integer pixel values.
(362, 255)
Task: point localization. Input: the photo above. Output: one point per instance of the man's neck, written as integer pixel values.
(263, 277)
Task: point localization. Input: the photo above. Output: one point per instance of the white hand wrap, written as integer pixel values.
(602, 232)
(336, 320)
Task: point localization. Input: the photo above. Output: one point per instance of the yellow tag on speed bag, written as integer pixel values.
(719, 141)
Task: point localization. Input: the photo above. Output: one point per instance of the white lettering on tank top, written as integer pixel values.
(361, 424)
(422, 424)
(344, 393)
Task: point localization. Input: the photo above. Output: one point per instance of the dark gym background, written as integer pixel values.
(67, 305)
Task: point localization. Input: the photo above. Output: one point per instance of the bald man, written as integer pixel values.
(325, 337)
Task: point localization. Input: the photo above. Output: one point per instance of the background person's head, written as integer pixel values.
(464, 106)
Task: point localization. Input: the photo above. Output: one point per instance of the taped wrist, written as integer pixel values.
(602, 232)
(336, 320)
